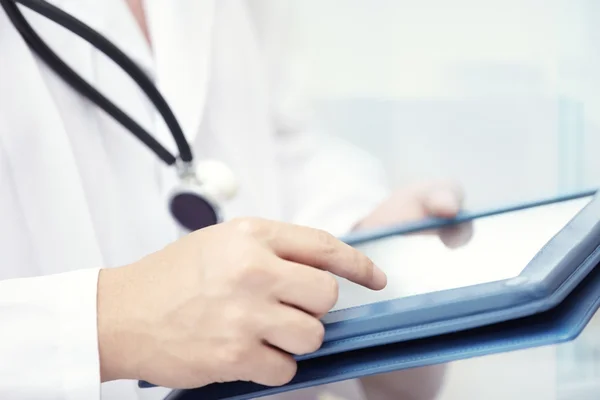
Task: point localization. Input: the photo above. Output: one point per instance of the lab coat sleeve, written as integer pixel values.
(48, 337)
(327, 182)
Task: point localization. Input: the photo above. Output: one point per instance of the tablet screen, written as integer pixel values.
(501, 247)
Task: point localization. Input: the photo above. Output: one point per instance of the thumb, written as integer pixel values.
(442, 201)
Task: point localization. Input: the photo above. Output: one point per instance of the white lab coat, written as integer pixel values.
(78, 192)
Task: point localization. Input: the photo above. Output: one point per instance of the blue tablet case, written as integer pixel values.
(550, 302)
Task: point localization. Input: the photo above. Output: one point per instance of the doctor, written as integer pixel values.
(79, 192)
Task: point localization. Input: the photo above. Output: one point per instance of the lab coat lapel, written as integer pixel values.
(181, 34)
(41, 158)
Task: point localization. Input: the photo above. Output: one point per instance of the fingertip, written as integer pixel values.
(443, 203)
(379, 280)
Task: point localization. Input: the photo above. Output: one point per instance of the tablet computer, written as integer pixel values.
(520, 262)
(528, 277)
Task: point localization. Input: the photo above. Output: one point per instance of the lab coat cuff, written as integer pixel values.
(78, 343)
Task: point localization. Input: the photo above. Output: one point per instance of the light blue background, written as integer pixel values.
(501, 95)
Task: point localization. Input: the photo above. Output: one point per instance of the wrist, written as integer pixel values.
(114, 341)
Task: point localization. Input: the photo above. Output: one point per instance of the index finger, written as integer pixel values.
(319, 249)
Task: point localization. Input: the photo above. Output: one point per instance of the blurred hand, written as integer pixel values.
(230, 302)
(441, 199)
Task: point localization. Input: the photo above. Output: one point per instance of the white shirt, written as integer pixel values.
(78, 192)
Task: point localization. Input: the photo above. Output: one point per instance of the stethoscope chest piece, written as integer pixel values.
(194, 202)
(193, 208)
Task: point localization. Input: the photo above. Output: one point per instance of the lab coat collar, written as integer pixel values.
(181, 35)
(178, 59)
(120, 27)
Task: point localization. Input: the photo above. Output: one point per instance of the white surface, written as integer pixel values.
(501, 247)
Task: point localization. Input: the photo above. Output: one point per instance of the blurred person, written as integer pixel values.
(79, 192)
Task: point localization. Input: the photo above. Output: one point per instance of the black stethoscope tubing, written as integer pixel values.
(37, 44)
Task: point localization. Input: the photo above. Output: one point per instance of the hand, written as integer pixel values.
(433, 199)
(230, 302)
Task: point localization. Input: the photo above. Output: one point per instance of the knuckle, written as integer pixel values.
(327, 242)
(329, 292)
(255, 274)
(285, 373)
(235, 354)
(363, 267)
(249, 226)
(314, 336)
(235, 317)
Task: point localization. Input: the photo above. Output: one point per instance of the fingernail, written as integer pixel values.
(379, 278)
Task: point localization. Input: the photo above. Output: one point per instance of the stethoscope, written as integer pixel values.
(194, 203)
